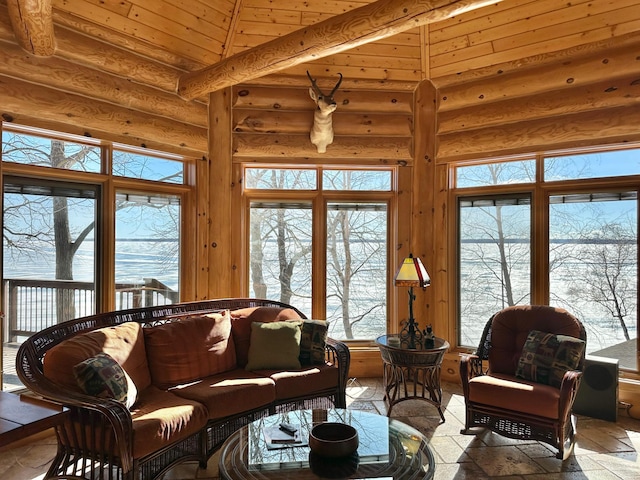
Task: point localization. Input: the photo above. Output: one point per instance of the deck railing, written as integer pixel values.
(31, 305)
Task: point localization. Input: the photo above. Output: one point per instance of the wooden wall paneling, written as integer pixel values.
(64, 75)
(614, 125)
(564, 74)
(33, 26)
(99, 119)
(600, 96)
(204, 217)
(223, 278)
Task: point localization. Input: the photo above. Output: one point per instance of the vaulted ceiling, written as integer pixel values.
(138, 71)
(191, 35)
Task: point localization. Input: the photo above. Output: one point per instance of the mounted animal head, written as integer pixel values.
(322, 131)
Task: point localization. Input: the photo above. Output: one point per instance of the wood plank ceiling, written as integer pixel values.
(133, 53)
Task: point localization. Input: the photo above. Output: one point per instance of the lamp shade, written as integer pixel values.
(412, 273)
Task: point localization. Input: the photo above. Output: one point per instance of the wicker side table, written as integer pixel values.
(412, 374)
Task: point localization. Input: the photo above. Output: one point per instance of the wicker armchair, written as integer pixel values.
(509, 405)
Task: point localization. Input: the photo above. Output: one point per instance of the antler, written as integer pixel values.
(314, 85)
(337, 85)
(316, 89)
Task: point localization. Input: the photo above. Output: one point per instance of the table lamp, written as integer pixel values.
(411, 274)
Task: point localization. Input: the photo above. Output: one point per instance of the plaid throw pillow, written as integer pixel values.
(313, 342)
(546, 357)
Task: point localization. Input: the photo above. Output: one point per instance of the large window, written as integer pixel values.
(62, 259)
(334, 222)
(585, 239)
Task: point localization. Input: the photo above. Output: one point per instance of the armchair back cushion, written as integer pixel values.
(124, 343)
(511, 327)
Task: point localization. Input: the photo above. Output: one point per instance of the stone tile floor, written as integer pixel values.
(604, 450)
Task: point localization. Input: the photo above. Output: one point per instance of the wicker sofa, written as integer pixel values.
(188, 383)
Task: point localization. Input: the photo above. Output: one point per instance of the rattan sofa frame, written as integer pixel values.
(77, 455)
(559, 433)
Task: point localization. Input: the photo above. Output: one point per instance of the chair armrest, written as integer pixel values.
(337, 353)
(568, 391)
(470, 366)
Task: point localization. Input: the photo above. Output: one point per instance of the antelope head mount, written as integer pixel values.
(322, 130)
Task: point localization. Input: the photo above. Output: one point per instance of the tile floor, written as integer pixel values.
(604, 450)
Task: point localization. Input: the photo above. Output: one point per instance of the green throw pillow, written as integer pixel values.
(313, 342)
(274, 345)
(546, 357)
(101, 376)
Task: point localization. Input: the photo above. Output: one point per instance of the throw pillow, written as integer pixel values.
(101, 376)
(274, 345)
(546, 357)
(242, 319)
(313, 341)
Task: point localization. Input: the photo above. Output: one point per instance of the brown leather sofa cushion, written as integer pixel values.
(510, 328)
(190, 349)
(241, 320)
(511, 393)
(124, 343)
(230, 393)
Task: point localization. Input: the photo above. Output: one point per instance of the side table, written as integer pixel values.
(411, 374)
(20, 418)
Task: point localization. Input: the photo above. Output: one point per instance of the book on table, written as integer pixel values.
(275, 437)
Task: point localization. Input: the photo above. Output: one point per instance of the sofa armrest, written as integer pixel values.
(100, 417)
(338, 353)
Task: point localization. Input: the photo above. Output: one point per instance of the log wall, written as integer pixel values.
(273, 124)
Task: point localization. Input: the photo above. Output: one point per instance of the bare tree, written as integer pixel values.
(610, 258)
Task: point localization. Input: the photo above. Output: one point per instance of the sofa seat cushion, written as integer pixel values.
(230, 393)
(190, 349)
(303, 382)
(124, 343)
(242, 319)
(512, 393)
(160, 417)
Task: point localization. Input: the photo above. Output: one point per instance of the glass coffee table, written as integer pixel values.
(387, 449)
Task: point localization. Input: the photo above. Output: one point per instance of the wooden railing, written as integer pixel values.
(31, 305)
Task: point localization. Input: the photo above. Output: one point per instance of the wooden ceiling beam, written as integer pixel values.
(32, 22)
(375, 21)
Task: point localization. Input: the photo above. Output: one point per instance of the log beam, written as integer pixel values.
(62, 74)
(565, 75)
(375, 21)
(99, 119)
(614, 125)
(84, 50)
(32, 23)
(397, 150)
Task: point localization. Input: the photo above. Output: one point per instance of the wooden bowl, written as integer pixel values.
(333, 440)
